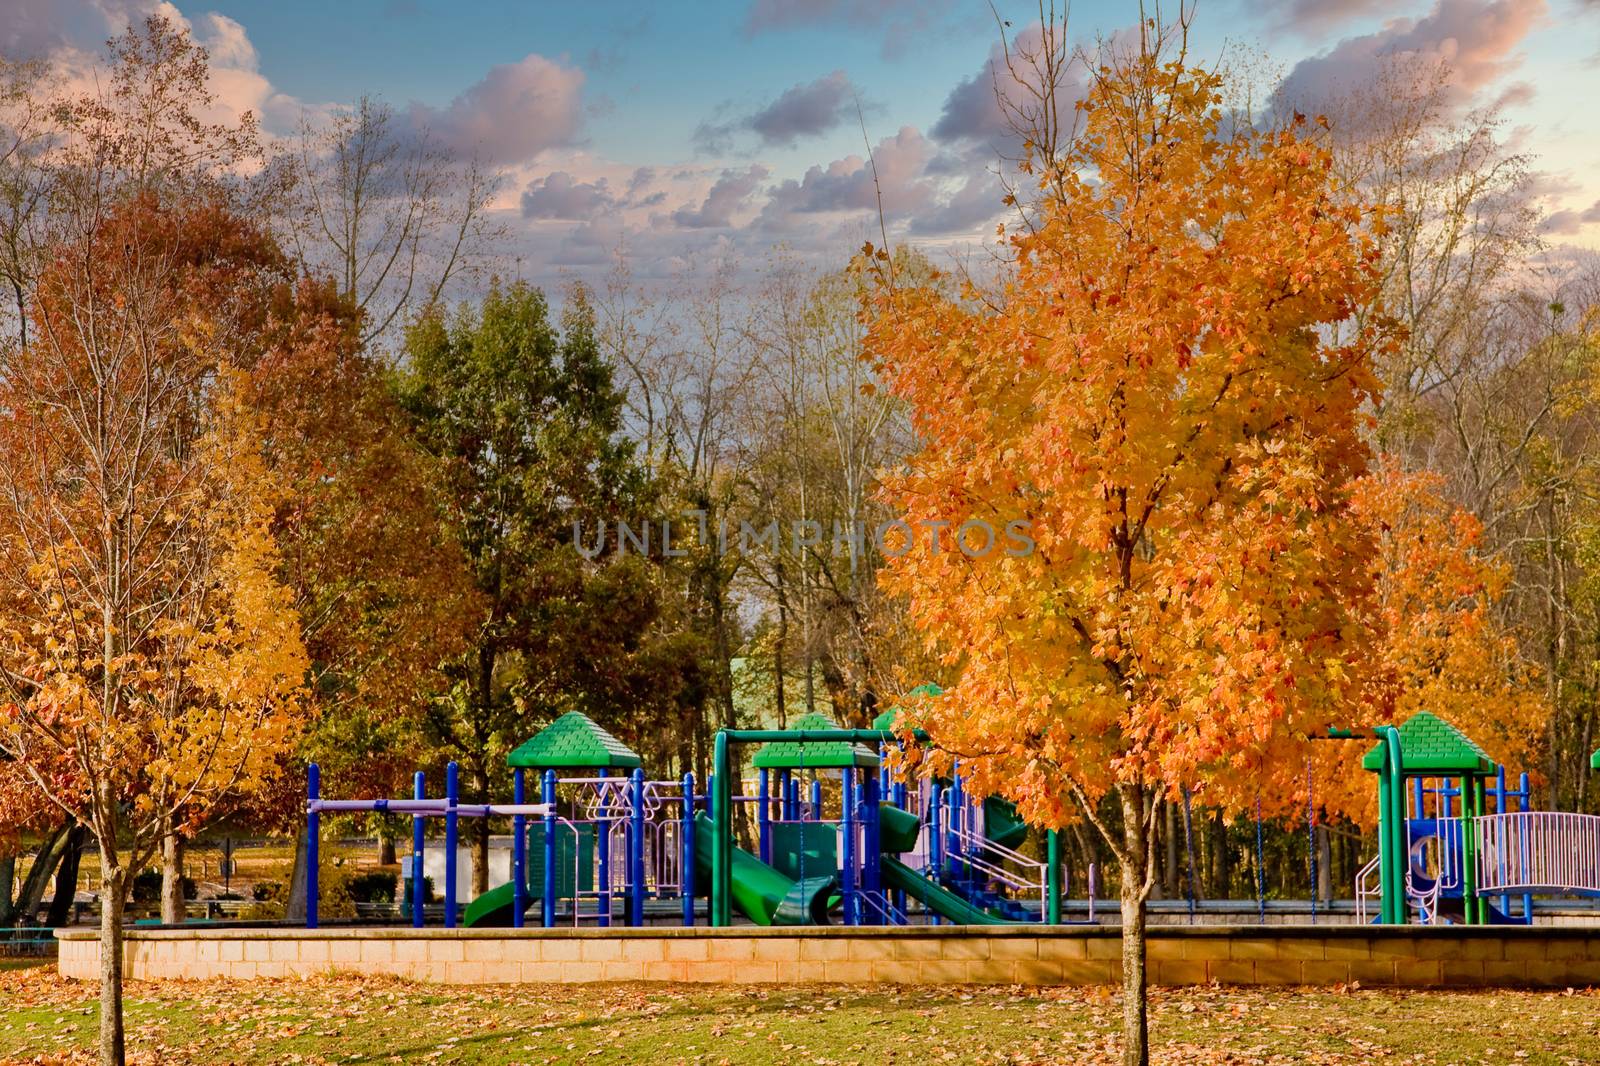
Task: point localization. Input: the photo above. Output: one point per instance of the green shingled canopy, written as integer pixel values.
(832, 755)
(1431, 745)
(886, 719)
(574, 742)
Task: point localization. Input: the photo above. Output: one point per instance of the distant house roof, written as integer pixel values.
(574, 742)
(830, 755)
(1430, 744)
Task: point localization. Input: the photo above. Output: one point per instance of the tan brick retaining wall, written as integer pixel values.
(1416, 957)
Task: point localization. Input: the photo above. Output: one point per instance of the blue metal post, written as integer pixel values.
(816, 800)
(636, 854)
(519, 849)
(602, 843)
(847, 876)
(791, 798)
(419, 790)
(313, 829)
(1499, 791)
(547, 914)
(1524, 795)
(687, 859)
(764, 816)
(935, 838)
(452, 793)
(870, 864)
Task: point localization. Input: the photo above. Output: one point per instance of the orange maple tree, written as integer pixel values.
(151, 662)
(1438, 645)
(1166, 393)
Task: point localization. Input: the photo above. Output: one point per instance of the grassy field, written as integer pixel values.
(342, 1020)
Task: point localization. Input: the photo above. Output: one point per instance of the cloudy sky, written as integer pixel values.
(684, 127)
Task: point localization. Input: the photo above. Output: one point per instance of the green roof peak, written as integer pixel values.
(574, 742)
(829, 755)
(886, 719)
(1429, 745)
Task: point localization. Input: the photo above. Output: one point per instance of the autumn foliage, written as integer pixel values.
(1156, 396)
(1162, 393)
(1438, 644)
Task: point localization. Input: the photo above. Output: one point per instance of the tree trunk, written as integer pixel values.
(779, 646)
(172, 878)
(386, 853)
(1324, 885)
(67, 879)
(1171, 828)
(480, 856)
(1133, 860)
(295, 909)
(44, 865)
(8, 881)
(113, 892)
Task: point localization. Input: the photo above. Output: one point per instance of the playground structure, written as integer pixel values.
(836, 840)
(1444, 855)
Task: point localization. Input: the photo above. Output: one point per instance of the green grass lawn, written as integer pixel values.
(341, 1020)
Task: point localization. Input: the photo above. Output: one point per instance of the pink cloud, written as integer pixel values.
(517, 111)
(972, 112)
(1473, 41)
(1311, 17)
(848, 184)
(726, 199)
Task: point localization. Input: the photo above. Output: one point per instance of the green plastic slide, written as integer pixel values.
(934, 896)
(493, 909)
(1002, 824)
(761, 893)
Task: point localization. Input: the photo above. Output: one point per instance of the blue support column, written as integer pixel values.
(816, 800)
(1524, 794)
(870, 844)
(602, 846)
(636, 854)
(419, 791)
(686, 887)
(547, 916)
(764, 815)
(452, 794)
(519, 850)
(313, 830)
(935, 866)
(791, 798)
(847, 875)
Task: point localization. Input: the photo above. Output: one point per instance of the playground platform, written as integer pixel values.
(1407, 956)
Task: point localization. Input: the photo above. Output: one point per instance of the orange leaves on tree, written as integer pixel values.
(1168, 392)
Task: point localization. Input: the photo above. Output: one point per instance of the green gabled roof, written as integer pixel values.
(886, 719)
(1429, 744)
(574, 742)
(831, 755)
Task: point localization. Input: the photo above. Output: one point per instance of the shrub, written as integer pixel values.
(146, 886)
(427, 892)
(375, 886)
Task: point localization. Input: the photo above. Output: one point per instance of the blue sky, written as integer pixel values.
(688, 126)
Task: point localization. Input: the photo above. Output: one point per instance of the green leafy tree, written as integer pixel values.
(524, 418)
